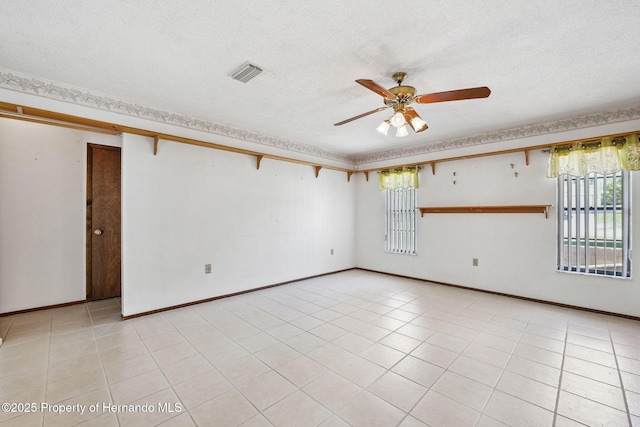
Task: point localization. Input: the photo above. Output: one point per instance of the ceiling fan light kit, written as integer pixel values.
(397, 119)
(414, 120)
(399, 97)
(384, 127)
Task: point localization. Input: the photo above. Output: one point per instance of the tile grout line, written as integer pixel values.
(104, 374)
(239, 312)
(251, 353)
(9, 329)
(427, 389)
(494, 388)
(387, 370)
(564, 351)
(285, 322)
(171, 386)
(138, 334)
(6, 333)
(299, 389)
(408, 412)
(157, 367)
(108, 385)
(46, 374)
(624, 394)
(503, 369)
(447, 370)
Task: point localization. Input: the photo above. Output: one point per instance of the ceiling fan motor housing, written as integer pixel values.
(405, 95)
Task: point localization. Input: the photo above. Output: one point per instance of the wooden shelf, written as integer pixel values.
(488, 209)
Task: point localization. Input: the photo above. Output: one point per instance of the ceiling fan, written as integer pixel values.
(400, 97)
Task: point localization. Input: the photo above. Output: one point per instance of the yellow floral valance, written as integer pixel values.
(399, 178)
(607, 156)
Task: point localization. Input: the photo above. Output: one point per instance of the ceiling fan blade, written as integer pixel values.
(360, 116)
(375, 87)
(454, 95)
(414, 120)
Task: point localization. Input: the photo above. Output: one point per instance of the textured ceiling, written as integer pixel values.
(545, 60)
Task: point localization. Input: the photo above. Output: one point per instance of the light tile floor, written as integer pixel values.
(354, 348)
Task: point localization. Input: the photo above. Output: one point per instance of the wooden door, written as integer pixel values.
(103, 222)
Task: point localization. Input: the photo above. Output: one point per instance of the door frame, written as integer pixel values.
(89, 213)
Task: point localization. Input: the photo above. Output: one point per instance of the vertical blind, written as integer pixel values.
(400, 186)
(400, 236)
(594, 204)
(593, 224)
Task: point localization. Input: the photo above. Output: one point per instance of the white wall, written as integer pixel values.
(42, 214)
(187, 207)
(190, 206)
(516, 252)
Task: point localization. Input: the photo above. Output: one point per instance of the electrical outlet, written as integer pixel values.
(207, 269)
(475, 262)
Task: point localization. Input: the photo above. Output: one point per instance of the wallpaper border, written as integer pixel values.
(34, 86)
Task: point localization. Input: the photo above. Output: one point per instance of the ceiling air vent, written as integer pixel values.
(246, 72)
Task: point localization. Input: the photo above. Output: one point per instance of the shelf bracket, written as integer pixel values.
(433, 168)
(318, 170)
(258, 160)
(526, 157)
(366, 175)
(156, 142)
(349, 176)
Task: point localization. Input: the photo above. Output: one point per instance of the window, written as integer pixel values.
(593, 224)
(400, 237)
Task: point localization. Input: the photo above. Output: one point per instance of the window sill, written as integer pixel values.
(604, 276)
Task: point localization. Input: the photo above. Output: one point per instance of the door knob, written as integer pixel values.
(98, 232)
